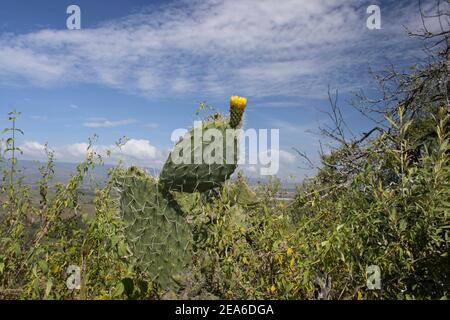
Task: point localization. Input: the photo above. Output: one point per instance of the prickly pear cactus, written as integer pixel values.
(198, 174)
(156, 231)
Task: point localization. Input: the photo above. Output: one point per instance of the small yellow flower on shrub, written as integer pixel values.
(56, 269)
(273, 288)
(290, 251)
(292, 263)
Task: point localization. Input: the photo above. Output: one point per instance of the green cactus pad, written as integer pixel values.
(200, 177)
(156, 231)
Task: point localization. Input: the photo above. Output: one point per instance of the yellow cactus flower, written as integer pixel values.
(237, 102)
(237, 107)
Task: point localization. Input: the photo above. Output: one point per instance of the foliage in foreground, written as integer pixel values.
(247, 244)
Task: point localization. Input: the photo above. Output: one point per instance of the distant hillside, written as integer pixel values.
(29, 171)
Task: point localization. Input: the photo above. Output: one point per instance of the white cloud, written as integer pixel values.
(139, 149)
(256, 48)
(33, 149)
(291, 128)
(75, 151)
(152, 125)
(141, 152)
(134, 152)
(105, 123)
(39, 118)
(23, 62)
(287, 157)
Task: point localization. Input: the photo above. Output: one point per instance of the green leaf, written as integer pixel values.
(16, 249)
(122, 249)
(114, 240)
(43, 265)
(403, 225)
(48, 288)
(128, 286)
(118, 290)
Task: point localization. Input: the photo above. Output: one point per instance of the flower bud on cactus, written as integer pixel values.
(237, 107)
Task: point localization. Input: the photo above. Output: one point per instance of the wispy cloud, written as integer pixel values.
(152, 125)
(256, 48)
(280, 104)
(105, 123)
(39, 118)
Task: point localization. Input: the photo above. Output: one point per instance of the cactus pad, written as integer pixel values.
(156, 231)
(202, 175)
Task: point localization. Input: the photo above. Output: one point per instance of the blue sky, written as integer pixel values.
(141, 68)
